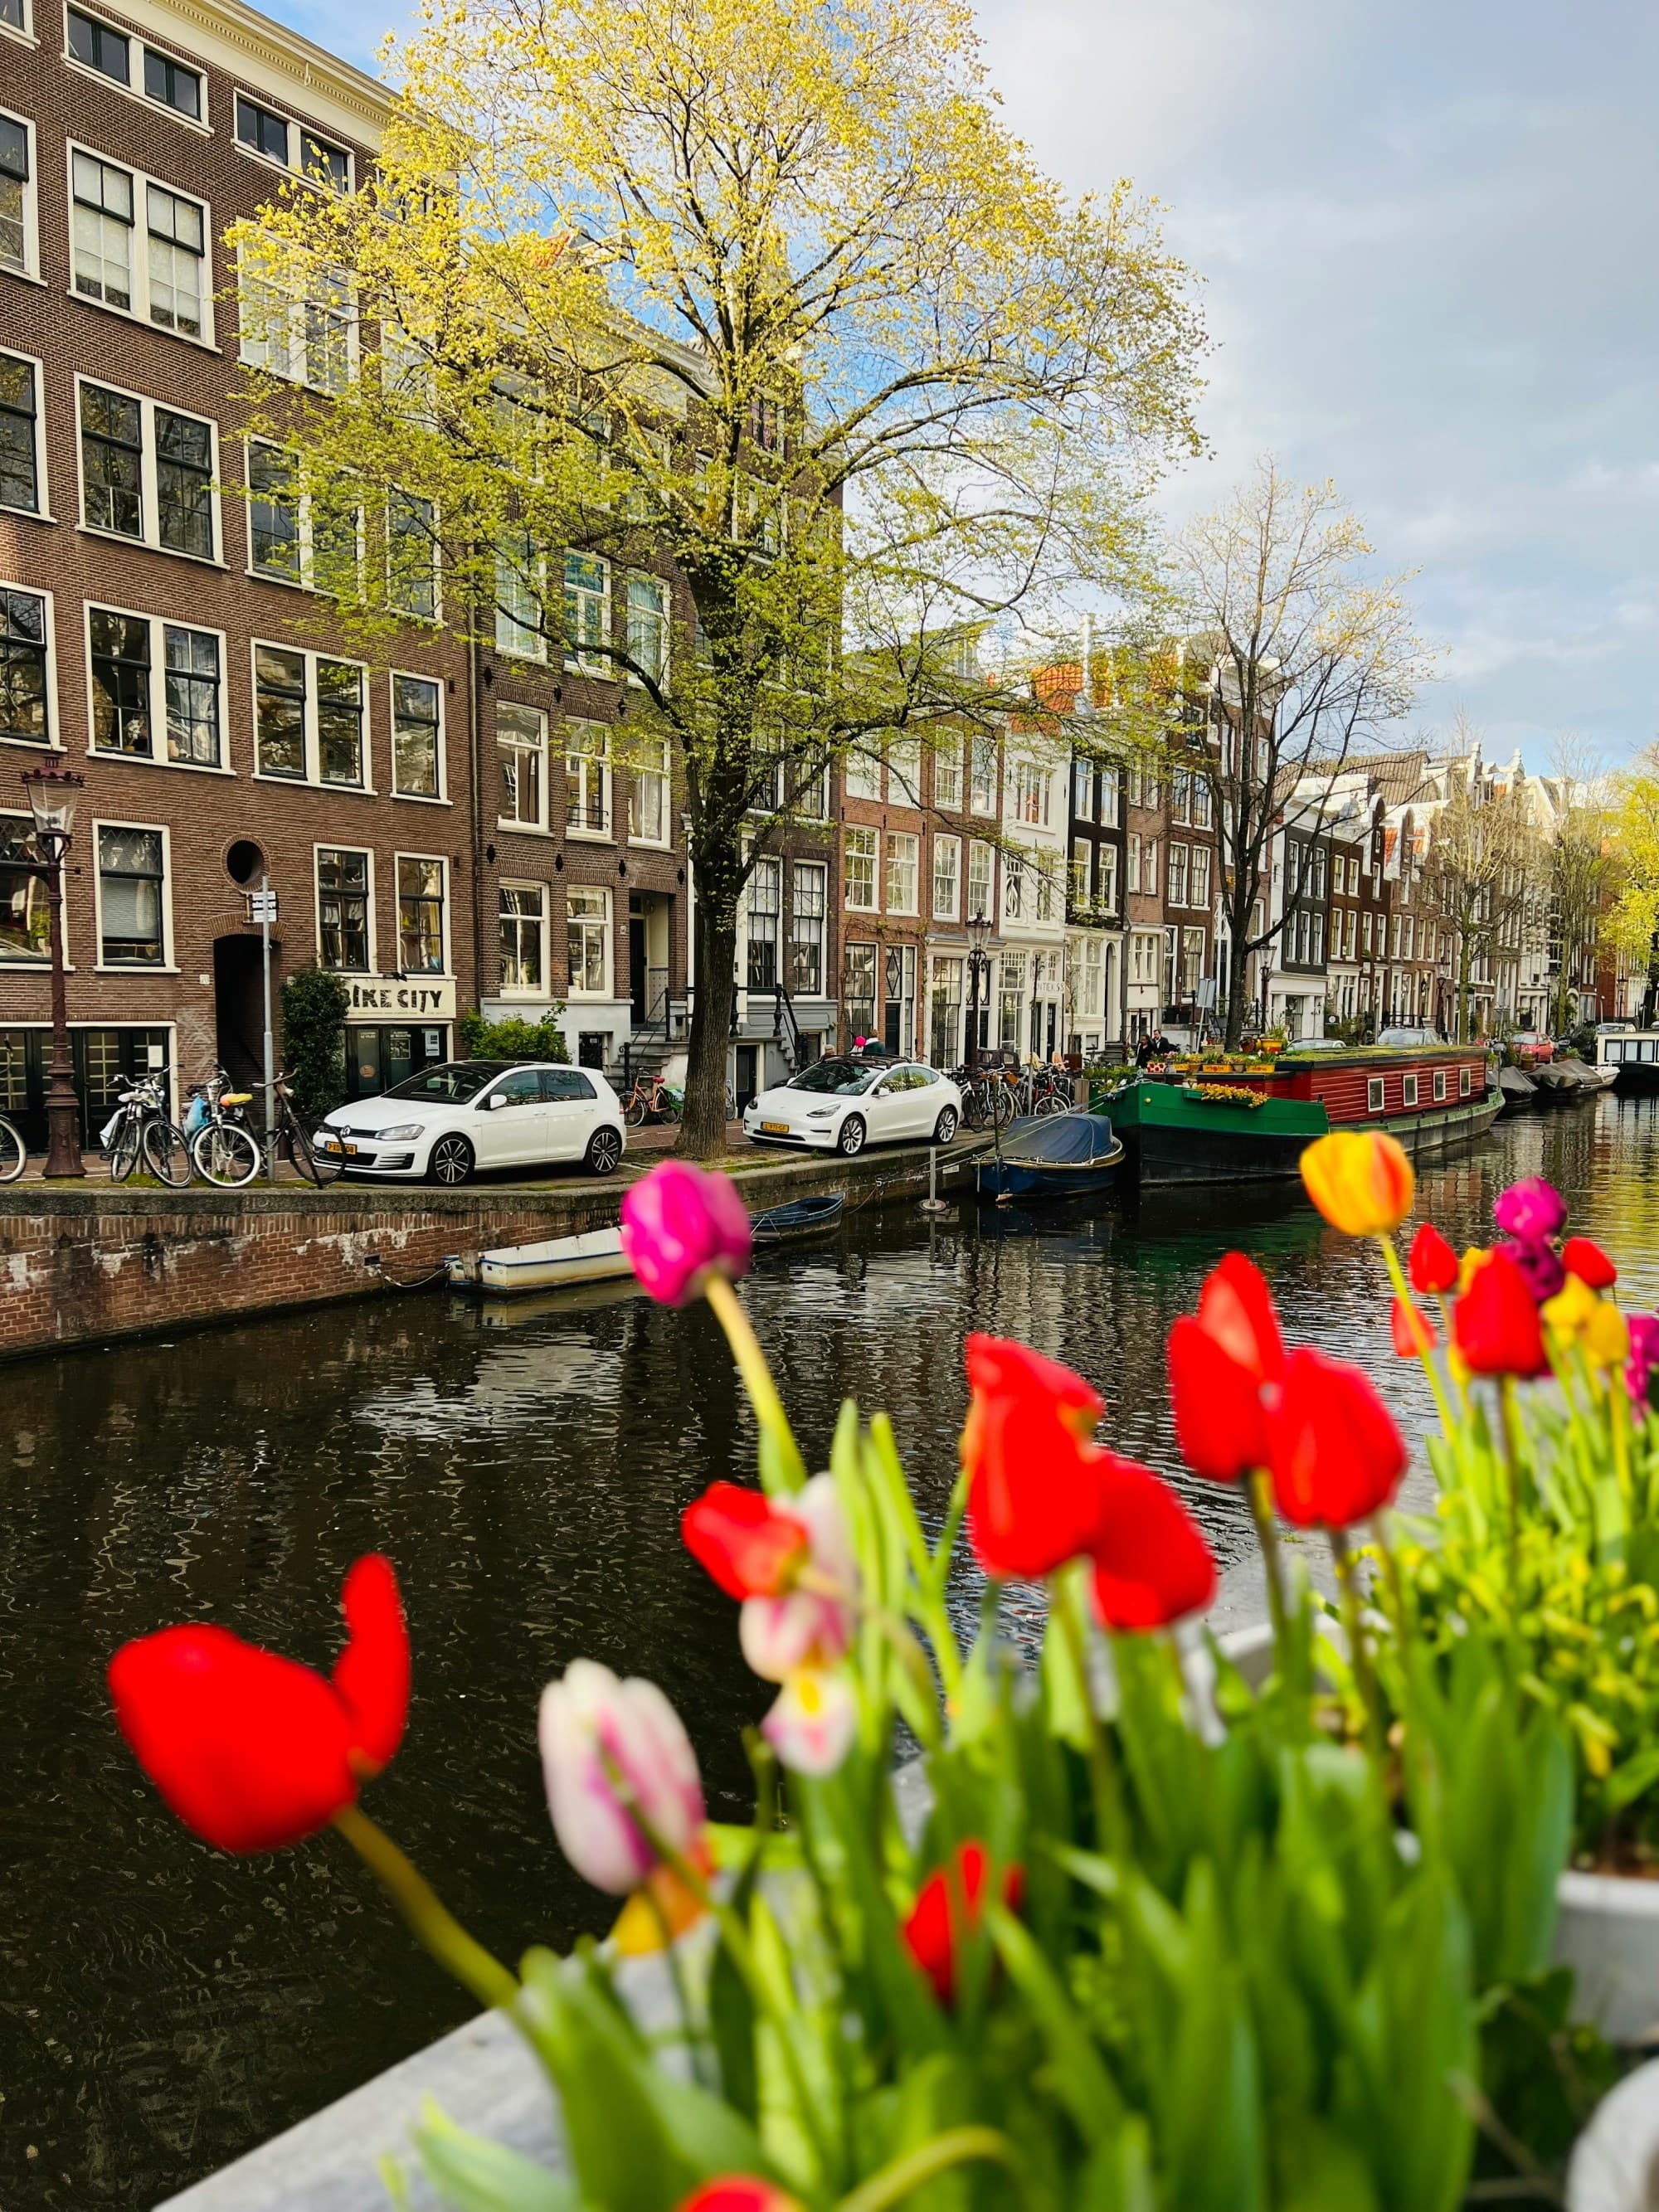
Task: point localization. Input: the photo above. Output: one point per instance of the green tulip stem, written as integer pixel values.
(906, 2175)
(1258, 1488)
(1402, 1291)
(751, 1365)
(1109, 1817)
(474, 1968)
(1360, 1651)
(1509, 1451)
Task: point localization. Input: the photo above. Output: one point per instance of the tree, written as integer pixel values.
(1580, 873)
(1634, 921)
(1485, 864)
(315, 1004)
(1291, 652)
(764, 301)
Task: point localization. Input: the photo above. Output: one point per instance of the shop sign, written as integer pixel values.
(399, 999)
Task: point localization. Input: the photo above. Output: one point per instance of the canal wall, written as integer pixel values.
(85, 1264)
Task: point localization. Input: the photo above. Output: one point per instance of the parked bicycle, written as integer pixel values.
(14, 1156)
(652, 1100)
(222, 1148)
(292, 1137)
(986, 1099)
(139, 1129)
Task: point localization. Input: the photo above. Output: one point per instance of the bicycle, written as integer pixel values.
(139, 1126)
(652, 1100)
(316, 1165)
(222, 1148)
(14, 1156)
(986, 1099)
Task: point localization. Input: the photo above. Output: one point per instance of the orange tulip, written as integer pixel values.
(1360, 1180)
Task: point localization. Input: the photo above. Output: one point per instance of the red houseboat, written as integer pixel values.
(1429, 1096)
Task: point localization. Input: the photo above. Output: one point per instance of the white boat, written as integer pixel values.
(594, 1256)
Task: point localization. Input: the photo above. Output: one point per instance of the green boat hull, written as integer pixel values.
(1171, 1138)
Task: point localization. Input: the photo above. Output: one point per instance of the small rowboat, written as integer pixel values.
(594, 1256)
(802, 1217)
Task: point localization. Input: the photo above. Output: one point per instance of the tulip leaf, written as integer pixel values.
(475, 2175)
(731, 2007)
(1080, 2078)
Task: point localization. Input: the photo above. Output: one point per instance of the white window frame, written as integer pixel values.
(601, 891)
(1107, 896)
(538, 828)
(435, 620)
(1440, 1086)
(950, 910)
(893, 842)
(167, 964)
(312, 780)
(139, 312)
(440, 796)
(904, 771)
(1465, 1083)
(665, 773)
(41, 511)
(1132, 861)
(295, 130)
(159, 627)
(1408, 1091)
(25, 33)
(662, 612)
(507, 644)
(1373, 1094)
(448, 968)
(520, 991)
(604, 834)
(800, 872)
(948, 771)
(1197, 854)
(988, 910)
(54, 742)
(141, 45)
(576, 659)
(872, 853)
(982, 750)
(288, 275)
(150, 498)
(306, 580)
(372, 894)
(30, 271)
(861, 776)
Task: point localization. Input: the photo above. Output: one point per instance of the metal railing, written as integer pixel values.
(787, 1030)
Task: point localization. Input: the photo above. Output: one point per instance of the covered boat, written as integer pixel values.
(1061, 1156)
(1174, 1134)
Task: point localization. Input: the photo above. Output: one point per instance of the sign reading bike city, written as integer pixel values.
(399, 999)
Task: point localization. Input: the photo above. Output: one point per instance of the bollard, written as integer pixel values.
(933, 1203)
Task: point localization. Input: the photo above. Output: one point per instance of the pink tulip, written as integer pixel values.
(1530, 1210)
(680, 1225)
(607, 1746)
(813, 1721)
(811, 1625)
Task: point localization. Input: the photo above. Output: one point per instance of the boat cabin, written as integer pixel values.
(1362, 1085)
(1634, 1054)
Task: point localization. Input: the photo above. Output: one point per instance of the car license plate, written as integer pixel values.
(775, 1129)
(333, 1145)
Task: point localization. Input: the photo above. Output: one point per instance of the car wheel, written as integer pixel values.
(849, 1141)
(604, 1150)
(450, 1161)
(945, 1128)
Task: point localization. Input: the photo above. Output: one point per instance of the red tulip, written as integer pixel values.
(253, 1751)
(930, 1932)
(740, 2193)
(1033, 1473)
(1413, 1332)
(1219, 1422)
(1432, 1264)
(1582, 1257)
(1236, 1308)
(1152, 1564)
(1495, 1325)
(1337, 1454)
(750, 1548)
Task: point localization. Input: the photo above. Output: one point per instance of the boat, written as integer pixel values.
(593, 1256)
(1515, 1090)
(1634, 1056)
(1060, 1156)
(1558, 1084)
(1431, 1096)
(800, 1218)
(1587, 1078)
(1174, 1134)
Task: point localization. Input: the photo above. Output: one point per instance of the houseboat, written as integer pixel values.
(1634, 1056)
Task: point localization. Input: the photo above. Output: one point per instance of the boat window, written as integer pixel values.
(1373, 1094)
(839, 1076)
(450, 1085)
(1439, 1085)
(1464, 1079)
(565, 1083)
(1408, 1091)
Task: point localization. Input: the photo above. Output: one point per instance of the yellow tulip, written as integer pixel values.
(1606, 1338)
(1360, 1180)
(1569, 1313)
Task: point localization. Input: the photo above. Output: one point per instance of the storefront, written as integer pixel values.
(108, 1057)
(395, 1026)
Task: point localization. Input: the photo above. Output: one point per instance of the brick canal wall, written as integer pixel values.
(85, 1264)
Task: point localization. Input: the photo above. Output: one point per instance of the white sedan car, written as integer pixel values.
(841, 1105)
(467, 1114)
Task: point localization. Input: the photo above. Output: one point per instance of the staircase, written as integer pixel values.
(646, 1052)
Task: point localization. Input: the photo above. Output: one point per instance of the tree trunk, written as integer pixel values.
(702, 1126)
(1238, 966)
(1462, 988)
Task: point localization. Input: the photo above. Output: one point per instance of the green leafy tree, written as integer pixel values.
(315, 1007)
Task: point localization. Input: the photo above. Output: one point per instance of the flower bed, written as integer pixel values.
(1222, 1094)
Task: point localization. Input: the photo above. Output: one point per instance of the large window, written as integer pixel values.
(411, 548)
(588, 778)
(947, 771)
(139, 247)
(762, 900)
(1032, 793)
(343, 904)
(1176, 878)
(21, 457)
(417, 738)
(980, 864)
(296, 316)
(901, 872)
(296, 535)
(1197, 890)
(520, 574)
(808, 894)
(904, 771)
(521, 750)
(108, 51)
(131, 897)
(863, 775)
(649, 793)
(588, 613)
(147, 472)
(18, 250)
(983, 778)
(1107, 892)
(24, 922)
(523, 940)
(420, 915)
(308, 717)
(1090, 981)
(589, 918)
(947, 878)
(647, 625)
(291, 145)
(25, 650)
(858, 853)
(857, 990)
(1010, 1000)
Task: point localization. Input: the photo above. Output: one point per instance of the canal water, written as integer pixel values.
(166, 2008)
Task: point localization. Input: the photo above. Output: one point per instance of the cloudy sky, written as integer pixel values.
(1430, 247)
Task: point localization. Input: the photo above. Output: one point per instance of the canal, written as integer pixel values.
(166, 2008)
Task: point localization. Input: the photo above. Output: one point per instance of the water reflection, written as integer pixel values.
(166, 2008)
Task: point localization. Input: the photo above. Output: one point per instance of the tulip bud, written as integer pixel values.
(1151, 1565)
(801, 1626)
(933, 1931)
(1337, 1454)
(1220, 1423)
(611, 1748)
(680, 1225)
(813, 1721)
(1033, 1473)
(1495, 1323)
(1433, 1264)
(1607, 1337)
(1530, 1210)
(750, 1548)
(1236, 1308)
(1413, 1333)
(1360, 1180)
(1582, 1257)
(739, 2192)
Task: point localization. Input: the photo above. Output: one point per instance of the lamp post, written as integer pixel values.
(53, 792)
(979, 970)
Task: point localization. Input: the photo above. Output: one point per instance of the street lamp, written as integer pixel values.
(979, 970)
(53, 792)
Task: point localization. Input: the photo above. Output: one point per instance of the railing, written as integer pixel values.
(594, 816)
(787, 1030)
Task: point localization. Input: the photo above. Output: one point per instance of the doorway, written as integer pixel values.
(746, 1089)
(238, 1008)
(648, 935)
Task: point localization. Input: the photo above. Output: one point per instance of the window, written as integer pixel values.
(521, 750)
(982, 779)
(411, 556)
(523, 940)
(420, 916)
(121, 682)
(1045, 891)
(172, 84)
(1181, 795)
(295, 537)
(265, 132)
(1439, 1086)
(1032, 796)
(1192, 961)
(904, 771)
(1463, 1082)
(1132, 869)
(21, 458)
(24, 922)
(1013, 889)
(167, 282)
(1078, 889)
(1010, 1000)
(108, 51)
(649, 793)
(147, 473)
(417, 738)
(103, 231)
(1198, 887)
(1408, 1091)
(1373, 1094)
(1092, 979)
(809, 897)
(901, 872)
(520, 575)
(1083, 790)
(178, 253)
(1176, 882)
(129, 897)
(648, 626)
(762, 900)
(947, 878)
(589, 913)
(1365, 933)
(863, 775)
(1107, 898)
(980, 861)
(25, 649)
(1201, 804)
(586, 613)
(343, 933)
(947, 772)
(17, 240)
(296, 316)
(1110, 785)
(858, 854)
(1149, 868)
(858, 989)
(308, 717)
(587, 778)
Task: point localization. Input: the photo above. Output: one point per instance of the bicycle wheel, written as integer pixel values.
(316, 1167)
(226, 1155)
(123, 1152)
(973, 1111)
(12, 1154)
(669, 1108)
(167, 1153)
(1002, 1105)
(633, 1112)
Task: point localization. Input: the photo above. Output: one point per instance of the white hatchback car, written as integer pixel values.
(467, 1114)
(844, 1104)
